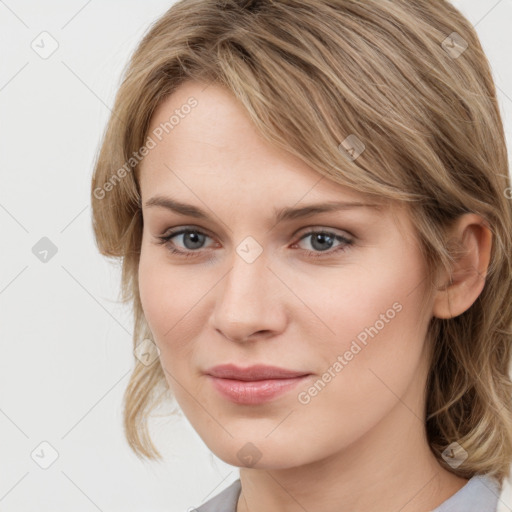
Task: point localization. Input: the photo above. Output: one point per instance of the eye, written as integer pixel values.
(194, 239)
(322, 241)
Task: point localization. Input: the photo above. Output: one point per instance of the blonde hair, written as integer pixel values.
(312, 75)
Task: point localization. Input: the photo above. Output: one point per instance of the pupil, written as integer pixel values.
(322, 238)
(195, 242)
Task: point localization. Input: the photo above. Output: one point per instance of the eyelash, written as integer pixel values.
(166, 240)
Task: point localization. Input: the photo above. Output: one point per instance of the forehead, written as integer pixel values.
(216, 142)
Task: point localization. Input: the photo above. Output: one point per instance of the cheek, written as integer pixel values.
(161, 295)
(369, 300)
(373, 319)
(151, 288)
(171, 300)
(166, 301)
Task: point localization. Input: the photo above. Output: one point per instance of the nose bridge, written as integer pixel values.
(244, 303)
(246, 282)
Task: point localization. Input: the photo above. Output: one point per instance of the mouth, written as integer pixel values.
(253, 385)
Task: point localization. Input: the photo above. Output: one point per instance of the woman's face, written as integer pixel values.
(334, 295)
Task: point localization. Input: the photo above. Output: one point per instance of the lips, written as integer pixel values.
(255, 372)
(255, 384)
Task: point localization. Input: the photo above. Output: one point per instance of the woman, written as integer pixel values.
(370, 374)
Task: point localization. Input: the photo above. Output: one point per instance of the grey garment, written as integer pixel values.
(225, 501)
(480, 494)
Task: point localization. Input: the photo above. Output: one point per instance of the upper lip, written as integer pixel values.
(255, 372)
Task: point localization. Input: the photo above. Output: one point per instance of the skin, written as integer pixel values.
(360, 443)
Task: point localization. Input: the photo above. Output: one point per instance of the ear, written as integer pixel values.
(460, 289)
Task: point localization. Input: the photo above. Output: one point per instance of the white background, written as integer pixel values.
(66, 347)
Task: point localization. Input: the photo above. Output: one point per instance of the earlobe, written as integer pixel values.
(467, 279)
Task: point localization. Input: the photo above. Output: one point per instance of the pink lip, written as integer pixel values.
(255, 372)
(255, 384)
(253, 392)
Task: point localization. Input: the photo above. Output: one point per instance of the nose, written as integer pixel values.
(249, 301)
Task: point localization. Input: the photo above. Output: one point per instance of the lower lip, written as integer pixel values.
(254, 392)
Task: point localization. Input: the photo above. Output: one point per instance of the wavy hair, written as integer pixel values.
(408, 80)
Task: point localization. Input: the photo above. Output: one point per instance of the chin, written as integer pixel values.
(258, 453)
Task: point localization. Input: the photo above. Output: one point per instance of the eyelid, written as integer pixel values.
(320, 227)
(185, 227)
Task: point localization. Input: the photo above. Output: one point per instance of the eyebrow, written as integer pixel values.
(283, 214)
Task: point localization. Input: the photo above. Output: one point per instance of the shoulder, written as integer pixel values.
(225, 501)
(480, 494)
